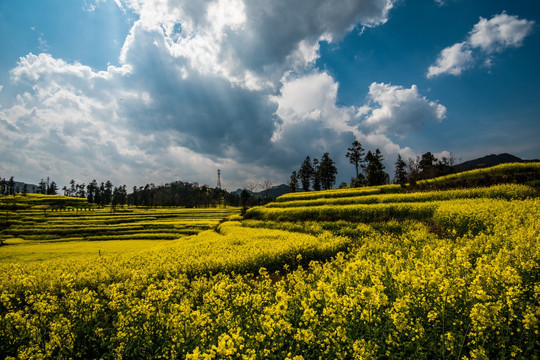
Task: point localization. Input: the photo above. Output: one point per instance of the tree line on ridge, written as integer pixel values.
(369, 170)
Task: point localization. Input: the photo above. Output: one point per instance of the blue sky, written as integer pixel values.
(140, 91)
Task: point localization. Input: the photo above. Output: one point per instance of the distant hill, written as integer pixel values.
(488, 161)
(30, 187)
(273, 193)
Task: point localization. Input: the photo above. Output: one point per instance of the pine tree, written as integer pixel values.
(305, 173)
(375, 174)
(400, 175)
(52, 189)
(107, 192)
(42, 187)
(293, 183)
(11, 186)
(72, 187)
(316, 177)
(91, 191)
(356, 156)
(327, 172)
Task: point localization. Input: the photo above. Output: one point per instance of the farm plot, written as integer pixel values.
(99, 231)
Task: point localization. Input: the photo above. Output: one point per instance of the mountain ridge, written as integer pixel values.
(490, 160)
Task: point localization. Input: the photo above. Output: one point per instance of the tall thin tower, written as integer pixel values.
(219, 179)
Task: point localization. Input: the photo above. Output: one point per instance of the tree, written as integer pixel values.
(107, 192)
(81, 190)
(316, 176)
(52, 189)
(266, 186)
(101, 192)
(356, 156)
(327, 172)
(244, 199)
(119, 196)
(11, 186)
(305, 173)
(427, 166)
(91, 191)
(375, 174)
(427, 161)
(358, 181)
(72, 190)
(293, 183)
(445, 166)
(251, 185)
(42, 187)
(413, 170)
(400, 175)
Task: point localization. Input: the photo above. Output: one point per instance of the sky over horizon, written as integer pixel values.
(154, 91)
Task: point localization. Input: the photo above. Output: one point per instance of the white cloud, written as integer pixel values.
(500, 32)
(312, 122)
(486, 38)
(196, 90)
(398, 111)
(312, 98)
(252, 43)
(452, 60)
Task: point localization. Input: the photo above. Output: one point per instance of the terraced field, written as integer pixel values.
(371, 273)
(36, 224)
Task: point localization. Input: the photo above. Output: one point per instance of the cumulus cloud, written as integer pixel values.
(487, 37)
(203, 85)
(312, 98)
(452, 60)
(308, 109)
(397, 110)
(252, 43)
(500, 32)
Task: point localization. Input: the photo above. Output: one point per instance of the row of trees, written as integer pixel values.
(320, 174)
(7, 187)
(369, 167)
(426, 166)
(179, 193)
(100, 194)
(47, 187)
(369, 170)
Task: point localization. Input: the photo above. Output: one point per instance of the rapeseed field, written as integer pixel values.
(423, 275)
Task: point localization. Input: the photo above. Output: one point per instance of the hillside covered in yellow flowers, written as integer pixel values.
(385, 272)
